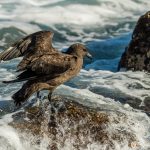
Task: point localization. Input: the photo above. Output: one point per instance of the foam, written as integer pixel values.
(135, 84)
(23, 26)
(42, 3)
(136, 122)
(130, 120)
(73, 21)
(96, 85)
(107, 12)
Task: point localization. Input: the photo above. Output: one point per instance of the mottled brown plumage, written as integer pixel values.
(29, 48)
(48, 70)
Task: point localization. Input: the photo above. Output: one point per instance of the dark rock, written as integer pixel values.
(137, 55)
(146, 106)
(65, 120)
(147, 102)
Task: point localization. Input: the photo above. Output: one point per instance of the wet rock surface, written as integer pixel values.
(65, 121)
(147, 105)
(137, 54)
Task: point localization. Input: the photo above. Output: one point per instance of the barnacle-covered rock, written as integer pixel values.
(65, 121)
(137, 55)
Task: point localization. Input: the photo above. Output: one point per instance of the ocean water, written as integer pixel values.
(105, 27)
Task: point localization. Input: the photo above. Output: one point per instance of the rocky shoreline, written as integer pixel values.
(64, 120)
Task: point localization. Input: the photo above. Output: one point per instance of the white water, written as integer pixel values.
(29, 16)
(136, 122)
(75, 13)
(102, 25)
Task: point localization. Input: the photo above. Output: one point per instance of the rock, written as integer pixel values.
(147, 102)
(65, 121)
(137, 55)
(146, 106)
